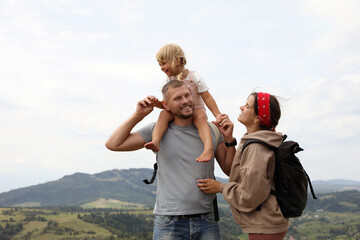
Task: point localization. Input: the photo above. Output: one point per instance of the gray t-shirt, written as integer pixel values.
(178, 172)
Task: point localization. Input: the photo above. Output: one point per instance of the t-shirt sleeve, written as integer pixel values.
(146, 132)
(200, 83)
(221, 139)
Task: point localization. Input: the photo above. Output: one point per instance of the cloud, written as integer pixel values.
(81, 11)
(82, 36)
(343, 20)
(72, 71)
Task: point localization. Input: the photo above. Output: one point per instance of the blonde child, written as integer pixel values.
(171, 59)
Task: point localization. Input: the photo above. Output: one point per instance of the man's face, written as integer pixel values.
(179, 102)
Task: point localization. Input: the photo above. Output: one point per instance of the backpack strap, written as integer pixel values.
(154, 174)
(252, 140)
(310, 185)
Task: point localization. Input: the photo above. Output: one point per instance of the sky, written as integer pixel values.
(72, 71)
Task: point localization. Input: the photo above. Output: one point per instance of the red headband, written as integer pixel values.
(264, 109)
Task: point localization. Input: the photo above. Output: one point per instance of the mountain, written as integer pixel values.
(123, 185)
(336, 185)
(80, 188)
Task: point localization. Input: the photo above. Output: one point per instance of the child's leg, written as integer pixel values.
(200, 121)
(159, 130)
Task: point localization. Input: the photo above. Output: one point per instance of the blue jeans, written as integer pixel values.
(202, 227)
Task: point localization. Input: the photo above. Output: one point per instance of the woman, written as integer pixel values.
(252, 171)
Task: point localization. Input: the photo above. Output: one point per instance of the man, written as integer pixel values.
(182, 210)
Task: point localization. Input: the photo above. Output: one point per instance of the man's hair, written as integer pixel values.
(169, 85)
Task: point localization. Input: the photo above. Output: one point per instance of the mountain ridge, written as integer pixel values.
(79, 188)
(123, 185)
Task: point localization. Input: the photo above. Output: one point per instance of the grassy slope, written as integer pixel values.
(312, 225)
(69, 220)
(321, 223)
(112, 203)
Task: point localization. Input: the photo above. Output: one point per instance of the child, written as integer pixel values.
(172, 61)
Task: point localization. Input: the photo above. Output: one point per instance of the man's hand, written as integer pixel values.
(145, 106)
(122, 139)
(225, 126)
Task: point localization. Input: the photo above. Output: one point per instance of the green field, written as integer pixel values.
(328, 225)
(69, 226)
(131, 221)
(112, 203)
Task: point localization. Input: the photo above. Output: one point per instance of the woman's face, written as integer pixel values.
(247, 115)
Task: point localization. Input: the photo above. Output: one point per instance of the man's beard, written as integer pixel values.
(184, 116)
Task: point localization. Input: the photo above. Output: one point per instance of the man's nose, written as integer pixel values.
(186, 99)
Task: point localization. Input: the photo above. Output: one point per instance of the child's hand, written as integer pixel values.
(225, 125)
(219, 118)
(155, 102)
(152, 99)
(144, 107)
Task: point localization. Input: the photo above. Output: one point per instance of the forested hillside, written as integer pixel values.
(346, 201)
(80, 188)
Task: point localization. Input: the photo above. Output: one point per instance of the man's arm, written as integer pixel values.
(225, 155)
(122, 139)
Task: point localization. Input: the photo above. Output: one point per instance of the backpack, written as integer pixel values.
(291, 180)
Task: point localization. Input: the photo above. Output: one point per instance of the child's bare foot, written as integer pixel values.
(152, 146)
(205, 156)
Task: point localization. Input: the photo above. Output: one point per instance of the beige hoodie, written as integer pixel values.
(250, 182)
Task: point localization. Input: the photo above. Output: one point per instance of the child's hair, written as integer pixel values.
(275, 111)
(171, 52)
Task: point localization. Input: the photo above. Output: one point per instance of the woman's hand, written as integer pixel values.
(225, 126)
(209, 185)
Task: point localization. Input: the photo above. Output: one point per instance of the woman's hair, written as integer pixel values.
(171, 52)
(275, 111)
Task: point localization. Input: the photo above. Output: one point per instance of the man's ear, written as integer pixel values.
(166, 107)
